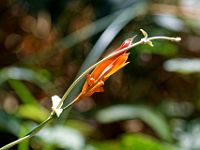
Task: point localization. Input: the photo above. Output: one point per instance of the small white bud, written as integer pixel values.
(55, 102)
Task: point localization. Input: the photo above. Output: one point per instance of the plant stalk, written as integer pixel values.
(52, 115)
(29, 135)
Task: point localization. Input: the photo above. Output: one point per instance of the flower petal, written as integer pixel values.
(95, 81)
(98, 87)
(126, 43)
(118, 64)
(99, 68)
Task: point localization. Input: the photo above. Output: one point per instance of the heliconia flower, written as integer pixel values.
(95, 81)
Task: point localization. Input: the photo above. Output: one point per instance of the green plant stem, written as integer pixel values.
(51, 117)
(30, 134)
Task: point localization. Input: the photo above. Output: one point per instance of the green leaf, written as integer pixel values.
(142, 142)
(63, 137)
(23, 92)
(105, 145)
(123, 112)
(40, 77)
(183, 65)
(25, 144)
(120, 21)
(37, 113)
(9, 123)
(81, 126)
(167, 49)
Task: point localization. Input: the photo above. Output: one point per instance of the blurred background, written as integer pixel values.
(151, 104)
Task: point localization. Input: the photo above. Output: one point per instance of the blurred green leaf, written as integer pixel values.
(132, 142)
(48, 146)
(105, 145)
(112, 30)
(187, 133)
(173, 108)
(142, 142)
(63, 137)
(183, 65)
(25, 144)
(23, 92)
(160, 47)
(37, 113)
(123, 112)
(169, 21)
(81, 126)
(9, 123)
(39, 77)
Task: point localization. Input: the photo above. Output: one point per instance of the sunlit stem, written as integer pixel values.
(51, 117)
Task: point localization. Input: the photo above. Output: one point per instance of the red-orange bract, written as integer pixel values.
(95, 80)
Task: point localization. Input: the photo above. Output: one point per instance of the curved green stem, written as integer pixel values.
(29, 135)
(40, 126)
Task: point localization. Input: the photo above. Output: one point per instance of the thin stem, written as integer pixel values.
(40, 126)
(15, 142)
(72, 102)
(29, 135)
(173, 39)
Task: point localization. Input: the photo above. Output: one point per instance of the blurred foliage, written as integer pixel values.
(125, 112)
(152, 104)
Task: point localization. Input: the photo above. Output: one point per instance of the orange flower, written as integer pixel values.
(95, 80)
